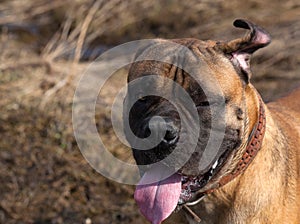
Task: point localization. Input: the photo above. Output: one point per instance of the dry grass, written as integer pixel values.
(86, 22)
(83, 22)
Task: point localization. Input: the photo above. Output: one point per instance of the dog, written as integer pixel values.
(255, 175)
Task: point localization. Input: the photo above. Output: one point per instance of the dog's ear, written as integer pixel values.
(240, 50)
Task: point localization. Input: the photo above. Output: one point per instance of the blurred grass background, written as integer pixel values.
(44, 48)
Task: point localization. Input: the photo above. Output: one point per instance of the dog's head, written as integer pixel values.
(227, 63)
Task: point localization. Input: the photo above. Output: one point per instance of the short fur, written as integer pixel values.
(269, 189)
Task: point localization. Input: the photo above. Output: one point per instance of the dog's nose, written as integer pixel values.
(171, 135)
(171, 130)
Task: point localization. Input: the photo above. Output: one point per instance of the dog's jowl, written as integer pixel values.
(253, 175)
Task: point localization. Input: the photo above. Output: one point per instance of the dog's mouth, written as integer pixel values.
(191, 185)
(159, 199)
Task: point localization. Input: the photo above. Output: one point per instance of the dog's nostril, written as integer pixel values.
(171, 135)
(160, 126)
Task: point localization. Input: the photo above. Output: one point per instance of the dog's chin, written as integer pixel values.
(192, 186)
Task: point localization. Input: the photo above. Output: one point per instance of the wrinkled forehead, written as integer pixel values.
(189, 62)
(162, 55)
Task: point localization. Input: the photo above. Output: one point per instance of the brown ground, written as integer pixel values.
(43, 176)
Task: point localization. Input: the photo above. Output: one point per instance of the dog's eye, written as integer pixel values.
(203, 104)
(142, 98)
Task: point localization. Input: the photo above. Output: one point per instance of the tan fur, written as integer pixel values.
(269, 190)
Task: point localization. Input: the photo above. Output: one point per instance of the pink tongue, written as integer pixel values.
(157, 200)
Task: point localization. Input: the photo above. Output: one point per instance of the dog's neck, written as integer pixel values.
(259, 180)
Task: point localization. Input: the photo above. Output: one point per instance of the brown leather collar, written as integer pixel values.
(253, 146)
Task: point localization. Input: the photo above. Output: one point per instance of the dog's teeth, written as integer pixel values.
(215, 164)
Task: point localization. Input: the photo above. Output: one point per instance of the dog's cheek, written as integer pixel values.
(232, 139)
(235, 126)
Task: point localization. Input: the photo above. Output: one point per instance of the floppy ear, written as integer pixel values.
(241, 49)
